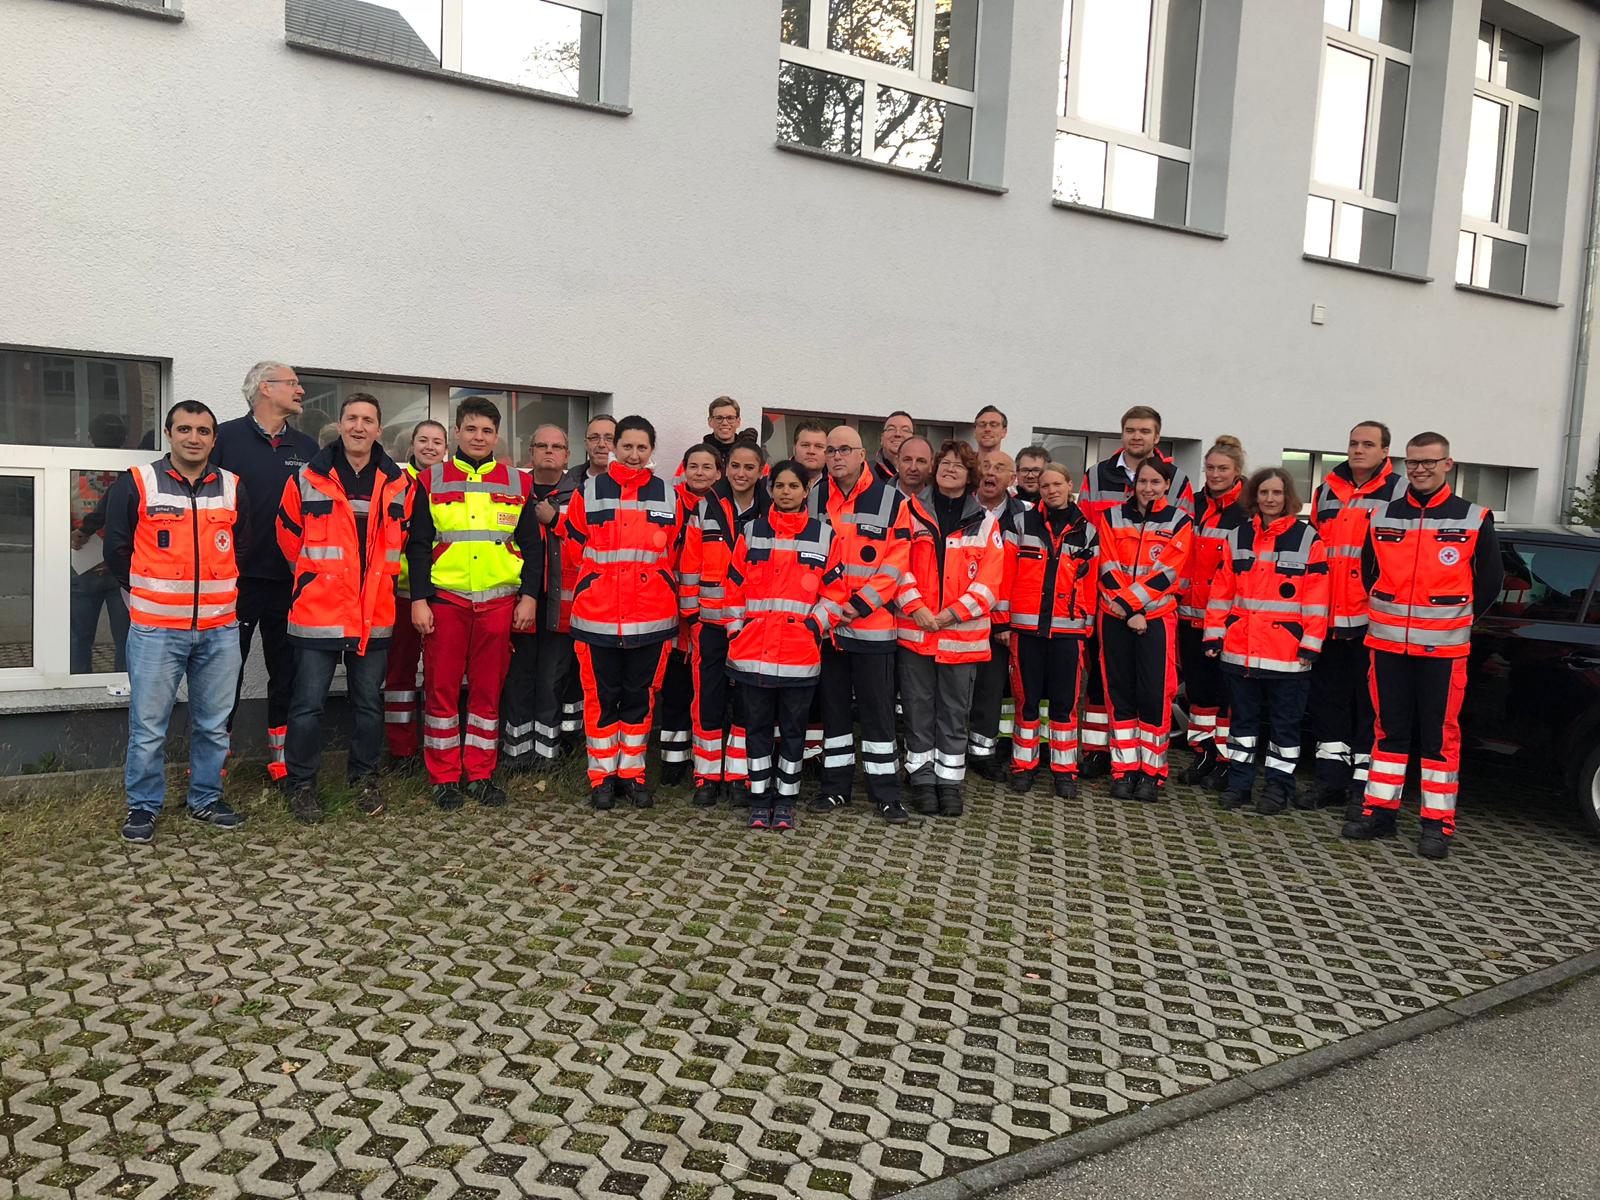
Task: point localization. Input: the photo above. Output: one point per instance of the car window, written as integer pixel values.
(1547, 582)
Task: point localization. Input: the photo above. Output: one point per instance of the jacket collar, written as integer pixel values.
(322, 462)
(164, 463)
(787, 524)
(1228, 498)
(628, 476)
(1343, 481)
(1432, 500)
(1276, 528)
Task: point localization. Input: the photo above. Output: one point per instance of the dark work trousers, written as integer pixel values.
(1141, 681)
(1046, 670)
(264, 606)
(363, 676)
(572, 705)
(858, 685)
(719, 751)
(1341, 712)
(1418, 701)
(530, 706)
(619, 692)
(786, 709)
(1205, 692)
(674, 715)
(1096, 735)
(1271, 706)
(988, 693)
(937, 701)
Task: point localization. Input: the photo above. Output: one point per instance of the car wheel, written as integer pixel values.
(1588, 789)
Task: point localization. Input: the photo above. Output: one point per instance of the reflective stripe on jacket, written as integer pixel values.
(625, 526)
(336, 604)
(1142, 557)
(402, 581)
(1341, 511)
(708, 546)
(1055, 588)
(776, 584)
(873, 532)
(1268, 608)
(1215, 518)
(475, 511)
(183, 573)
(961, 580)
(1106, 486)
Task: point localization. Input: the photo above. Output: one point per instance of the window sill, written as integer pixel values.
(315, 46)
(1534, 300)
(62, 699)
(1131, 219)
(851, 160)
(139, 8)
(1386, 272)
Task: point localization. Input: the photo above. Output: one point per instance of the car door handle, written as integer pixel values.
(1573, 659)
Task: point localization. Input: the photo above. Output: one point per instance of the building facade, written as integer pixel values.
(1267, 219)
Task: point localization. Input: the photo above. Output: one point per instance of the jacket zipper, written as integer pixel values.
(194, 524)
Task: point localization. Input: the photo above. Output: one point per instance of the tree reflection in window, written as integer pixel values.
(882, 30)
(818, 108)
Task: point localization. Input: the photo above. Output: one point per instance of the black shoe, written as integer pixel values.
(1066, 786)
(951, 803)
(140, 826)
(986, 766)
(448, 796)
(1305, 800)
(638, 794)
(305, 806)
(1327, 795)
(783, 815)
(705, 795)
(369, 796)
(1205, 762)
(1355, 804)
(1147, 789)
(736, 792)
(1432, 842)
(1273, 799)
(487, 793)
(1096, 765)
(218, 813)
(760, 815)
(672, 773)
(1122, 787)
(1233, 798)
(828, 801)
(924, 799)
(604, 795)
(1021, 781)
(1217, 781)
(1378, 823)
(894, 813)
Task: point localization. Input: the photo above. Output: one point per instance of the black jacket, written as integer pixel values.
(262, 469)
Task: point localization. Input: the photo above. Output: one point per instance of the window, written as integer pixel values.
(1498, 197)
(1354, 203)
(1545, 582)
(871, 429)
(890, 81)
(1074, 450)
(1308, 468)
(1126, 106)
(539, 44)
(52, 399)
(403, 405)
(521, 412)
(18, 530)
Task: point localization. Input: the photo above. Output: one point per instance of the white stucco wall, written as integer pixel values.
(201, 192)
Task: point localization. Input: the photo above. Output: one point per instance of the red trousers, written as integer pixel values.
(471, 642)
(620, 685)
(400, 684)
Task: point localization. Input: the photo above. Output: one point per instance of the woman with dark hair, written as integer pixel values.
(1266, 620)
(698, 473)
(743, 484)
(1144, 550)
(943, 606)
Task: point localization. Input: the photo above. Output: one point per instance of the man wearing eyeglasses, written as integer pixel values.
(1031, 462)
(722, 418)
(265, 451)
(1432, 566)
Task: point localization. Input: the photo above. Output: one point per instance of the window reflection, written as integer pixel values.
(403, 31)
(912, 131)
(403, 405)
(16, 571)
(533, 44)
(1485, 146)
(882, 30)
(795, 25)
(98, 617)
(1519, 66)
(1114, 66)
(1342, 119)
(955, 42)
(1319, 227)
(78, 400)
(1080, 170)
(1387, 21)
(819, 108)
(1146, 185)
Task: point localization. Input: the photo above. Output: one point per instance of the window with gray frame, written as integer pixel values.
(1497, 202)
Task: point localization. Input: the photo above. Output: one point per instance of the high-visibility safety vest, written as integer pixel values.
(336, 604)
(1055, 589)
(402, 581)
(709, 540)
(1216, 517)
(183, 574)
(1108, 485)
(1423, 553)
(965, 584)
(1341, 510)
(785, 591)
(1142, 557)
(626, 525)
(475, 512)
(873, 532)
(1268, 607)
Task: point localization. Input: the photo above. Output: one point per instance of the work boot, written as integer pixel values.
(1217, 781)
(487, 793)
(369, 796)
(1147, 789)
(1305, 800)
(986, 766)
(737, 793)
(448, 796)
(1355, 803)
(1066, 786)
(828, 801)
(305, 806)
(950, 802)
(760, 814)
(1373, 823)
(1096, 765)
(705, 794)
(1273, 800)
(1122, 787)
(1327, 795)
(1205, 762)
(1432, 842)
(218, 813)
(924, 799)
(140, 826)
(783, 814)
(672, 773)
(1233, 798)
(603, 795)
(638, 794)
(1021, 781)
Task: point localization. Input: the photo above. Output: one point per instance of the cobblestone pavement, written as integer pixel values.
(541, 1001)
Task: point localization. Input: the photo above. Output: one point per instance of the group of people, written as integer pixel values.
(831, 606)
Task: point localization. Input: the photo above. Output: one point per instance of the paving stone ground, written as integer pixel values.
(542, 1001)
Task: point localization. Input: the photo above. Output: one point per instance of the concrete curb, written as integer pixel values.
(1029, 1164)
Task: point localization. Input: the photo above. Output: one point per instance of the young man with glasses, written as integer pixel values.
(897, 427)
(1031, 462)
(265, 451)
(722, 419)
(989, 428)
(1432, 565)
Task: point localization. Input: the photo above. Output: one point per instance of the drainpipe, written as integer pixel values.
(1572, 443)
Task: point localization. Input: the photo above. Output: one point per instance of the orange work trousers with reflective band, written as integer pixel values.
(1417, 698)
(1141, 682)
(620, 685)
(472, 642)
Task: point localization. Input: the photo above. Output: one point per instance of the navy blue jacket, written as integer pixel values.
(262, 469)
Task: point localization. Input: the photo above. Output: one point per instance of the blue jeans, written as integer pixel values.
(313, 672)
(90, 592)
(1270, 706)
(157, 660)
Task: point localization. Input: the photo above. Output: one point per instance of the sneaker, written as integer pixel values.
(1205, 762)
(672, 773)
(1233, 798)
(369, 797)
(828, 801)
(448, 796)
(140, 826)
(894, 813)
(923, 799)
(638, 794)
(1066, 786)
(1374, 823)
(1096, 765)
(783, 815)
(1433, 842)
(1147, 789)
(760, 815)
(1122, 787)
(487, 793)
(705, 795)
(604, 795)
(951, 803)
(1020, 782)
(305, 806)
(218, 813)
(1273, 800)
